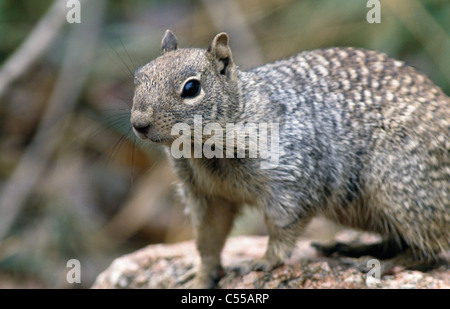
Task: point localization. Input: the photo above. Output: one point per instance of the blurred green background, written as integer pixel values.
(74, 181)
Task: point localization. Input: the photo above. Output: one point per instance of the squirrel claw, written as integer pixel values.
(262, 264)
(197, 279)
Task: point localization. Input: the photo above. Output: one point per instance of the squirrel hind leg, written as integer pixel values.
(391, 256)
(400, 262)
(382, 250)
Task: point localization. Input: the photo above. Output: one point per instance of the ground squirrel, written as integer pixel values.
(364, 141)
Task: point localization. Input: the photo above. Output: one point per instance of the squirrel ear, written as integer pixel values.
(169, 42)
(221, 54)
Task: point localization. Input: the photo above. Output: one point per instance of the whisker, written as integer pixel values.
(116, 149)
(129, 70)
(132, 160)
(129, 57)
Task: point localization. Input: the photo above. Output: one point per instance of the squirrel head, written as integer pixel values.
(183, 83)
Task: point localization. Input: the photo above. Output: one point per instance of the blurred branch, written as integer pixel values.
(68, 87)
(37, 43)
(412, 11)
(140, 209)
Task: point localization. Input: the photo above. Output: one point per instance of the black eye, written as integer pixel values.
(191, 89)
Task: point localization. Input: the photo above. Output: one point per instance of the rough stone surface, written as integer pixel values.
(165, 266)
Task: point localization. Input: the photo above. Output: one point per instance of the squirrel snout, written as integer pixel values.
(141, 128)
(140, 123)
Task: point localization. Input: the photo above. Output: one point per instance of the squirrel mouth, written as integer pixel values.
(155, 138)
(160, 140)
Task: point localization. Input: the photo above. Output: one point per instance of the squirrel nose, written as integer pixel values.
(141, 128)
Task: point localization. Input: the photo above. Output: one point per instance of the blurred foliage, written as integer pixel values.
(104, 193)
(17, 19)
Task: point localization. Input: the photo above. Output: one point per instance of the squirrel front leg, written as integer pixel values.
(212, 220)
(282, 240)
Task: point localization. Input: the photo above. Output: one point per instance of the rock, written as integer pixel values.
(162, 266)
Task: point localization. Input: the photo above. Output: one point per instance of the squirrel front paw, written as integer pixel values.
(262, 264)
(201, 279)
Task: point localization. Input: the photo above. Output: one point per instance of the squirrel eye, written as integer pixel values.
(191, 89)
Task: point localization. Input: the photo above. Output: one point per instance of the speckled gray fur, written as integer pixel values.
(365, 141)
